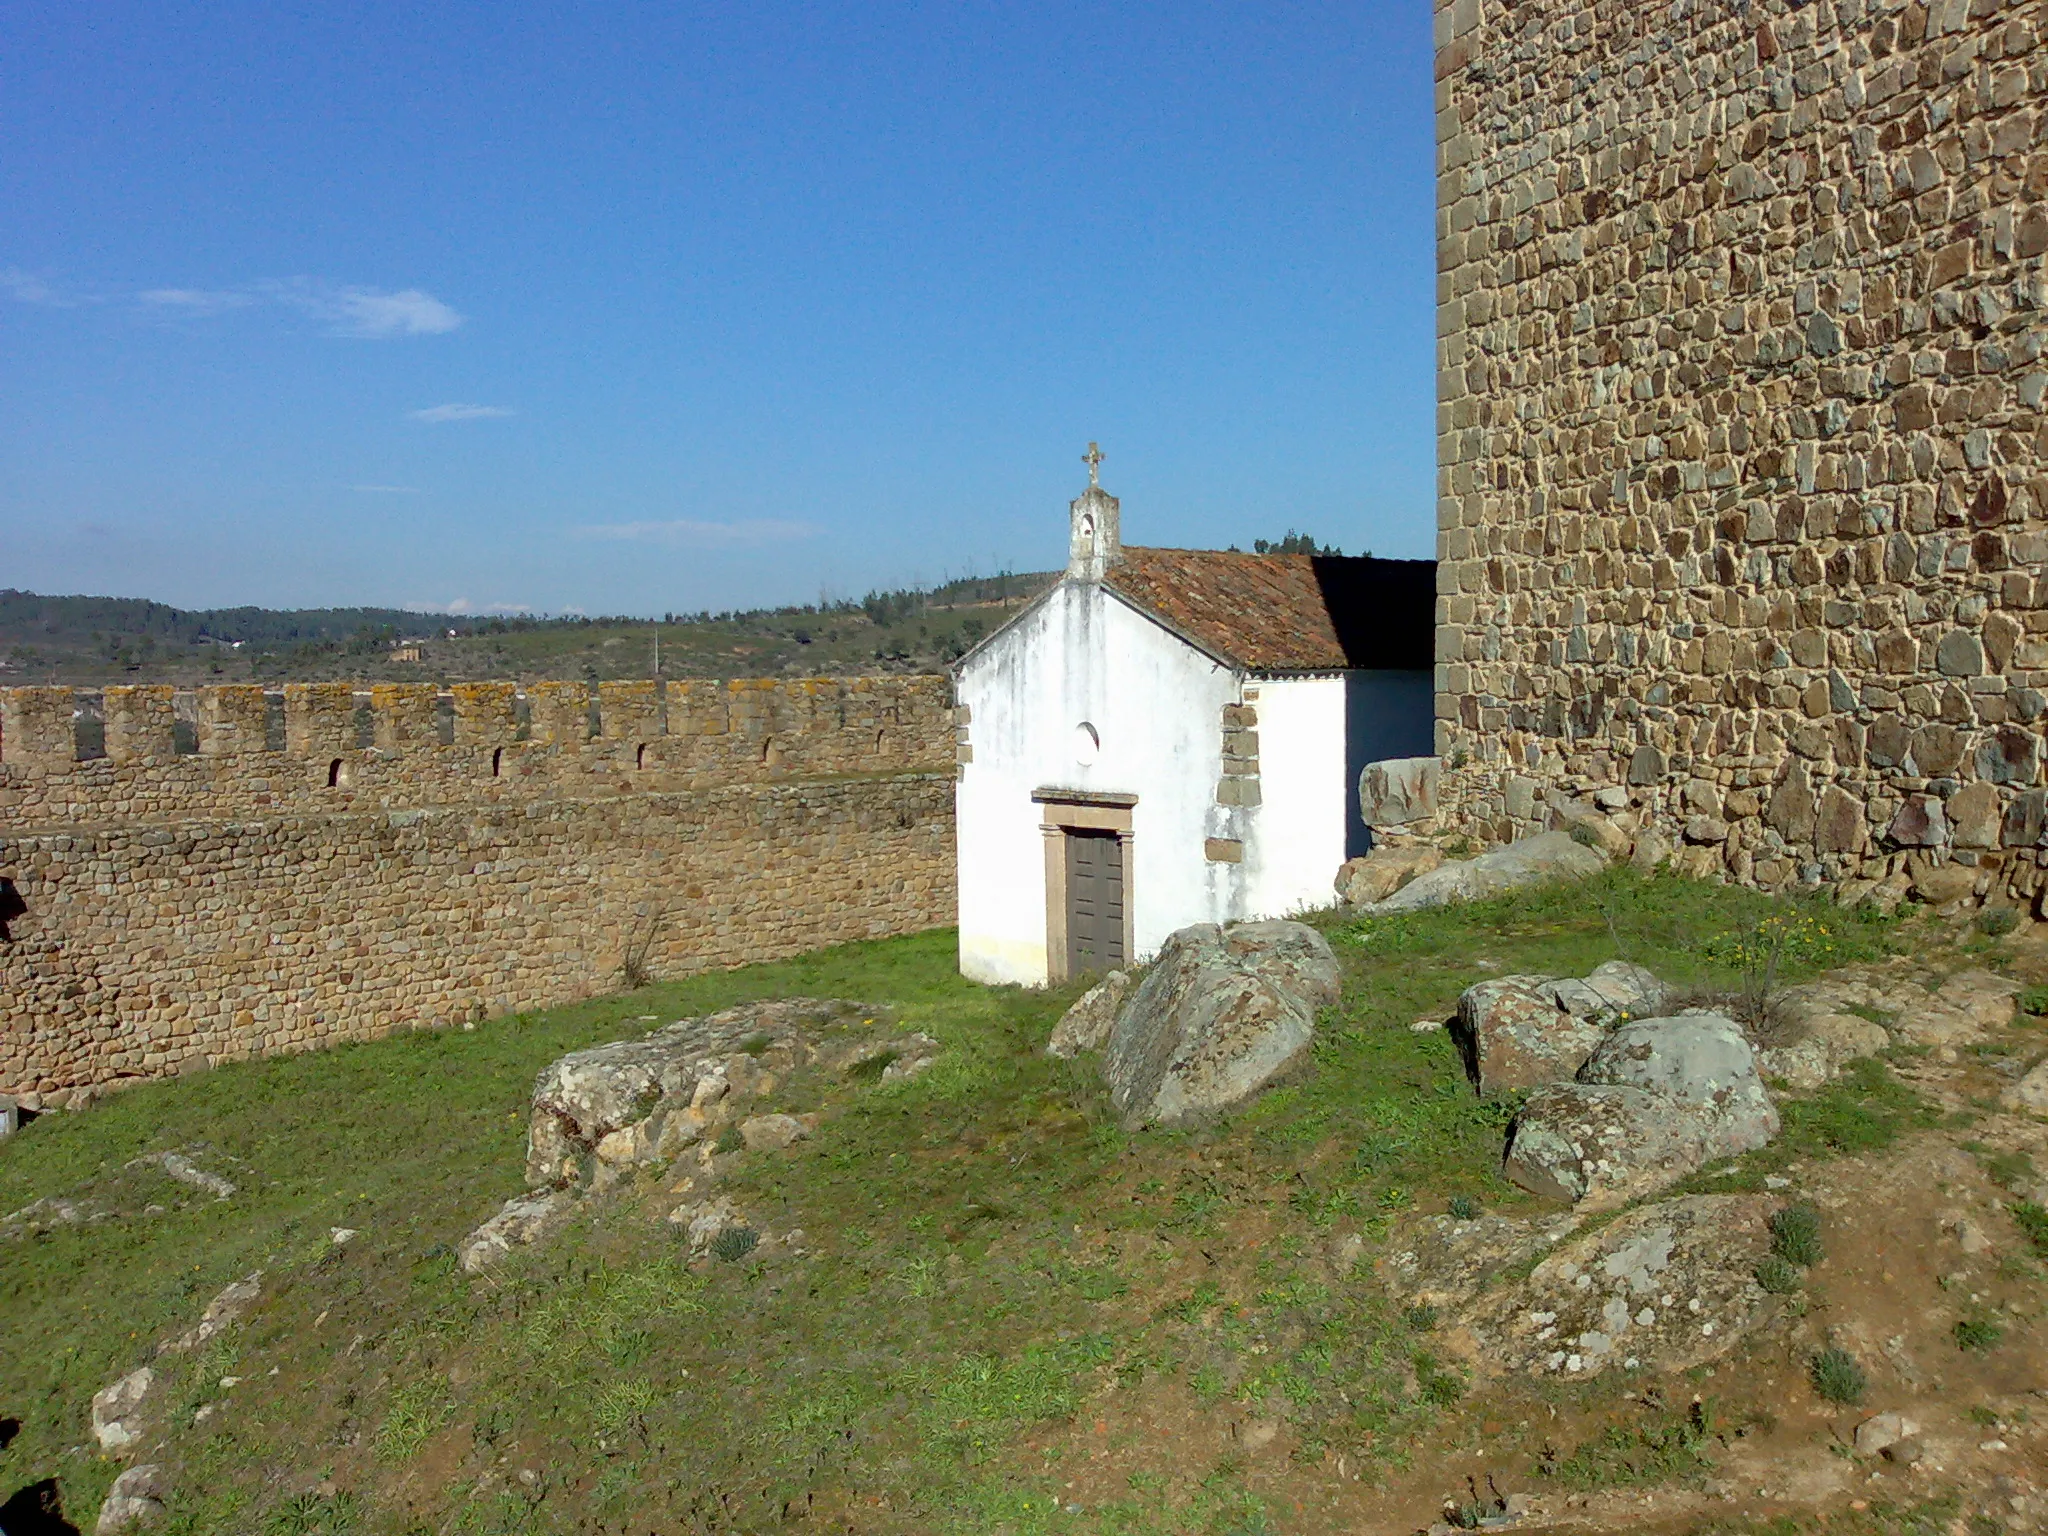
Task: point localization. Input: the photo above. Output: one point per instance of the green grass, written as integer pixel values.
(1778, 1276)
(1878, 1517)
(987, 1253)
(1837, 1377)
(1658, 1446)
(1795, 1235)
(1978, 1333)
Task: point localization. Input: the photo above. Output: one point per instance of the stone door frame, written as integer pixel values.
(1081, 810)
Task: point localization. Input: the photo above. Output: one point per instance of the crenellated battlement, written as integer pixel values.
(151, 753)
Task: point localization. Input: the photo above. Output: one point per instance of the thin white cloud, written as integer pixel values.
(197, 301)
(691, 531)
(410, 312)
(27, 288)
(387, 490)
(459, 412)
(372, 314)
(367, 314)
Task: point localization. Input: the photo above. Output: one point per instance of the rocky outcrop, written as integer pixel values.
(1514, 1037)
(1655, 1101)
(689, 1089)
(646, 1100)
(1377, 875)
(118, 1410)
(1826, 1043)
(1664, 1288)
(226, 1309)
(1086, 1025)
(136, 1499)
(523, 1221)
(1819, 1027)
(1221, 1013)
(2030, 1094)
(1519, 1031)
(1534, 860)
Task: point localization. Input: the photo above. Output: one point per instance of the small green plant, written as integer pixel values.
(1795, 1235)
(923, 1277)
(1977, 1333)
(308, 1514)
(1421, 1318)
(2032, 1220)
(1997, 922)
(757, 1044)
(622, 1408)
(636, 968)
(1434, 1384)
(2034, 1002)
(1837, 1377)
(416, 1411)
(735, 1243)
(1658, 1447)
(1777, 1276)
(729, 1140)
(1982, 1417)
(1464, 1208)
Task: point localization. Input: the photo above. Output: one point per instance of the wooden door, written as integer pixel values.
(1095, 901)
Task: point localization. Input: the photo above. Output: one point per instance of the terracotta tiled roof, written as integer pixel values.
(1287, 613)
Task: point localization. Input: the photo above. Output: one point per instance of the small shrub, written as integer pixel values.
(1997, 922)
(757, 1044)
(1435, 1385)
(735, 1243)
(1837, 1377)
(1978, 1334)
(1464, 1208)
(1777, 1276)
(2032, 1220)
(729, 1140)
(2034, 1002)
(1422, 1319)
(1795, 1235)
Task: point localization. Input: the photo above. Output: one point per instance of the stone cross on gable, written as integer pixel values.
(1093, 459)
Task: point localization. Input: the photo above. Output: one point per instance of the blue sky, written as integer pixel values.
(639, 309)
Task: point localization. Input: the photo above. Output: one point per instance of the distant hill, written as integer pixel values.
(93, 641)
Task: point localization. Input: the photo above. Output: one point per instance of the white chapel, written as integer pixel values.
(1174, 736)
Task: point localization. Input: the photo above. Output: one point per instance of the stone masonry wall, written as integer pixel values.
(189, 909)
(341, 748)
(1743, 458)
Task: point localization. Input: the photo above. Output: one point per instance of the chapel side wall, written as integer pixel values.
(1743, 501)
(1297, 843)
(150, 949)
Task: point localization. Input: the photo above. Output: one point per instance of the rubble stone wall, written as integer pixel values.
(189, 908)
(1742, 448)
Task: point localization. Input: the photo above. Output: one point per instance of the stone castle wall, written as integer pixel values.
(279, 889)
(1743, 515)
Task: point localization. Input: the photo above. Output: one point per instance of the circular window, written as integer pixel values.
(1087, 744)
